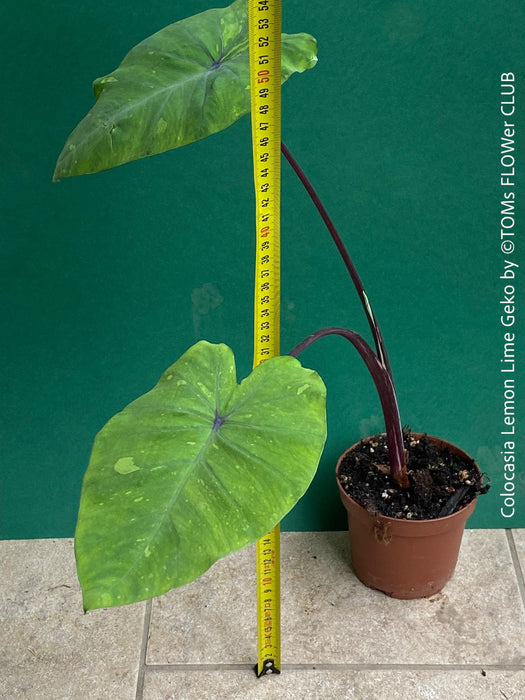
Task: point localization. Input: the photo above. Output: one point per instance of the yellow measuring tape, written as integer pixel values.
(264, 18)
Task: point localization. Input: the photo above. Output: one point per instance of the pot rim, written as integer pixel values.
(389, 519)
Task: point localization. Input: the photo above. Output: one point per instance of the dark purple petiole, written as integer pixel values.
(377, 362)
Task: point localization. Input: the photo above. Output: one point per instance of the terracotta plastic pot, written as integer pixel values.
(404, 558)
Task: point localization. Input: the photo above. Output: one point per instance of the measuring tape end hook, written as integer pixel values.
(267, 668)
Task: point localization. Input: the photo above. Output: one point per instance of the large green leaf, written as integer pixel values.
(198, 467)
(185, 82)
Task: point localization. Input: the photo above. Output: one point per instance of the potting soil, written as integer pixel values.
(441, 482)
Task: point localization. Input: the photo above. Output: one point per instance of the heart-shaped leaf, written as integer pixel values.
(187, 81)
(195, 469)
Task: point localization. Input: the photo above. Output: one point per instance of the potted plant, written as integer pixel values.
(407, 495)
(201, 466)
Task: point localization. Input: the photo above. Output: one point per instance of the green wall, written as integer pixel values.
(107, 279)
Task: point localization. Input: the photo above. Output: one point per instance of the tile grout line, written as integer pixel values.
(143, 649)
(406, 667)
(517, 565)
(166, 668)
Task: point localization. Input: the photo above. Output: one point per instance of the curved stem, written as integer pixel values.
(385, 389)
(374, 326)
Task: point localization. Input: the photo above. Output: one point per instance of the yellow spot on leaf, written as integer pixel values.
(204, 389)
(126, 465)
(162, 125)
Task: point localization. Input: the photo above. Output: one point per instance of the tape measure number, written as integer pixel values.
(264, 18)
(265, 71)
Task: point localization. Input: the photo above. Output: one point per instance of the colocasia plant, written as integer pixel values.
(201, 465)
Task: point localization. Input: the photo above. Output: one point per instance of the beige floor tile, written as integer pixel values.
(336, 684)
(211, 620)
(329, 617)
(50, 649)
